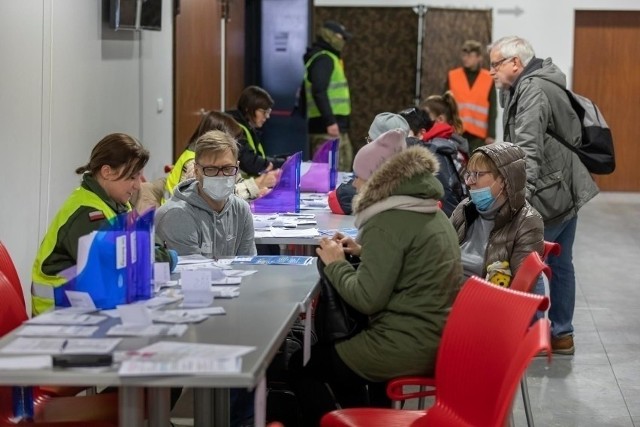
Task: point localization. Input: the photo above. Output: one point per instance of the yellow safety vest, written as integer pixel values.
(473, 102)
(338, 91)
(42, 286)
(174, 177)
(251, 142)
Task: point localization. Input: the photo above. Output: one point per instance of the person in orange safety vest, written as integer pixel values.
(474, 91)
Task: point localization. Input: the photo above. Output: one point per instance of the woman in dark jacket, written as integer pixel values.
(497, 228)
(254, 108)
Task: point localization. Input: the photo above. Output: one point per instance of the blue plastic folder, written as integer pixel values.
(141, 255)
(105, 274)
(323, 171)
(285, 196)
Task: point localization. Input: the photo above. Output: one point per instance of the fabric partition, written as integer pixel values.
(323, 171)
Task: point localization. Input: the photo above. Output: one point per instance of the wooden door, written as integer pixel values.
(235, 48)
(605, 69)
(196, 66)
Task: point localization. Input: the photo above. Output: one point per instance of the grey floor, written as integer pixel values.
(600, 385)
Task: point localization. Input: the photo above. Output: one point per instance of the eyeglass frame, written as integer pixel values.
(467, 175)
(496, 64)
(218, 169)
(266, 111)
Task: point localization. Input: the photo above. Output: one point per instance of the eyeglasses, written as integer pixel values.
(266, 112)
(215, 170)
(471, 177)
(495, 65)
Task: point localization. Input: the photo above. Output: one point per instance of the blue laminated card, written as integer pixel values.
(274, 260)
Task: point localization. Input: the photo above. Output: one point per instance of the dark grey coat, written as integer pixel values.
(558, 184)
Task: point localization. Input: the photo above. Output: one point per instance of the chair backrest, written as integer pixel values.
(528, 273)
(487, 344)
(551, 248)
(9, 269)
(12, 309)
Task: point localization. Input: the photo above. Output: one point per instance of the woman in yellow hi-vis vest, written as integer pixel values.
(326, 92)
(111, 177)
(253, 110)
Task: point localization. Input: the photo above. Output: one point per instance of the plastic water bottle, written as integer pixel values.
(22, 403)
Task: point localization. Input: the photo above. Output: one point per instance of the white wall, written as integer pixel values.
(67, 80)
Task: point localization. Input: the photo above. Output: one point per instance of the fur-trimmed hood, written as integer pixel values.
(408, 173)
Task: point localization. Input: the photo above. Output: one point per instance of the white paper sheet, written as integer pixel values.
(56, 331)
(171, 358)
(80, 300)
(147, 331)
(196, 288)
(23, 345)
(64, 317)
(25, 362)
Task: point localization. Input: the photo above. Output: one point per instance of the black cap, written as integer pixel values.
(338, 28)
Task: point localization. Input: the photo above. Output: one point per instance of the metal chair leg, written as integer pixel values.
(422, 401)
(525, 400)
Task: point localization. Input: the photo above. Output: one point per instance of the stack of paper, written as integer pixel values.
(61, 346)
(178, 358)
(274, 260)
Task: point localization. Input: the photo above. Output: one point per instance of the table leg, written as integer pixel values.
(131, 405)
(158, 403)
(221, 407)
(203, 407)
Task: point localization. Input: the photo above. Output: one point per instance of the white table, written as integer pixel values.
(269, 303)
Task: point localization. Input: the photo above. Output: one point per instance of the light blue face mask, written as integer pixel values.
(482, 198)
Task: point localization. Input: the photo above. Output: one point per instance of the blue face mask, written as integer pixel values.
(482, 198)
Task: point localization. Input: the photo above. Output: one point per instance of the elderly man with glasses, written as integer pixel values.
(558, 184)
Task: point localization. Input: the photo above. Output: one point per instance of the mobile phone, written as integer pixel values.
(81, 360)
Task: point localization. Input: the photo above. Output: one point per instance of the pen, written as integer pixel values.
(64, 345)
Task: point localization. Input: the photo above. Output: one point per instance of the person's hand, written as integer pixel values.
(349, 245)
(488, 141)
(333, 130)
(264, 192)
(330, 251)
(269, 178)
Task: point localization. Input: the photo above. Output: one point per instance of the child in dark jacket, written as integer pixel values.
(437, 138)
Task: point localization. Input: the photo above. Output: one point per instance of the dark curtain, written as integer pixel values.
(380, 61)
(445, 32)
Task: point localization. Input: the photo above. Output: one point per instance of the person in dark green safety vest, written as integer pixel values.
(253, 110)
(183, 169)
(111, 177)
(326, 92)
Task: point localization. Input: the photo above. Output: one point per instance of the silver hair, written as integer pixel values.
(513, 46)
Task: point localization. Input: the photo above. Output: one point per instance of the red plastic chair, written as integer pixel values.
(551, 248)
(480, 362)
(95, 411)
(527, 275)
(9, 269)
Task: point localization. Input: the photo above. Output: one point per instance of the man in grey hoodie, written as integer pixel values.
(532, 92)
(204, 216)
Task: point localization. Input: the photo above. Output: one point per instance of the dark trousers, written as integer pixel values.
(345, 388)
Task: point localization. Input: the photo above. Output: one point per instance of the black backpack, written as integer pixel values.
(596, 149)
